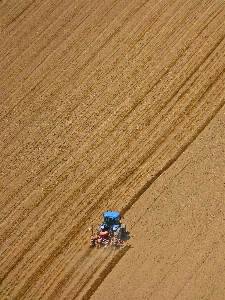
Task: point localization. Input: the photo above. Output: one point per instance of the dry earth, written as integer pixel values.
(98, 100)
(178, 228)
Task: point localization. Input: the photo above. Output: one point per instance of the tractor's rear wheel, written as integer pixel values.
(120, 233)
(123, 230)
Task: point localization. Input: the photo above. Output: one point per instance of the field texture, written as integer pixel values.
(100, 100)
(177, 229)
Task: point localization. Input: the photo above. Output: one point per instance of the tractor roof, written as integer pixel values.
(112, 214)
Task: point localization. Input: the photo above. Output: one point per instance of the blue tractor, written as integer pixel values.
(112, 224)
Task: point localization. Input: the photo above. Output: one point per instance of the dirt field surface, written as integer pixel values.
(112, 105)
(178, 229)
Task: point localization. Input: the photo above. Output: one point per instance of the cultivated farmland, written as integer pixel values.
(112, 105)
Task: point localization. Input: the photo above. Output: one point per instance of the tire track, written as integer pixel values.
(107, 175)
(103, 274)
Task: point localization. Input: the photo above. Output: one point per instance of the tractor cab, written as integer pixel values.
(112, 220)
(111, 224)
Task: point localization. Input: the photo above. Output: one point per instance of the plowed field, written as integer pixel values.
(177, 229)
(99, 101)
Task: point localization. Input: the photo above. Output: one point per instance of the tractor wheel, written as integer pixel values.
(123, 230)
(119, 233)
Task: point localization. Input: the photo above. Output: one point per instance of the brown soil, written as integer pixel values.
(177, 229)
(112, 105)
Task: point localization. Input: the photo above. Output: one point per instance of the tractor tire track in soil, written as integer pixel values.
(99, 99)
(182, 215)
